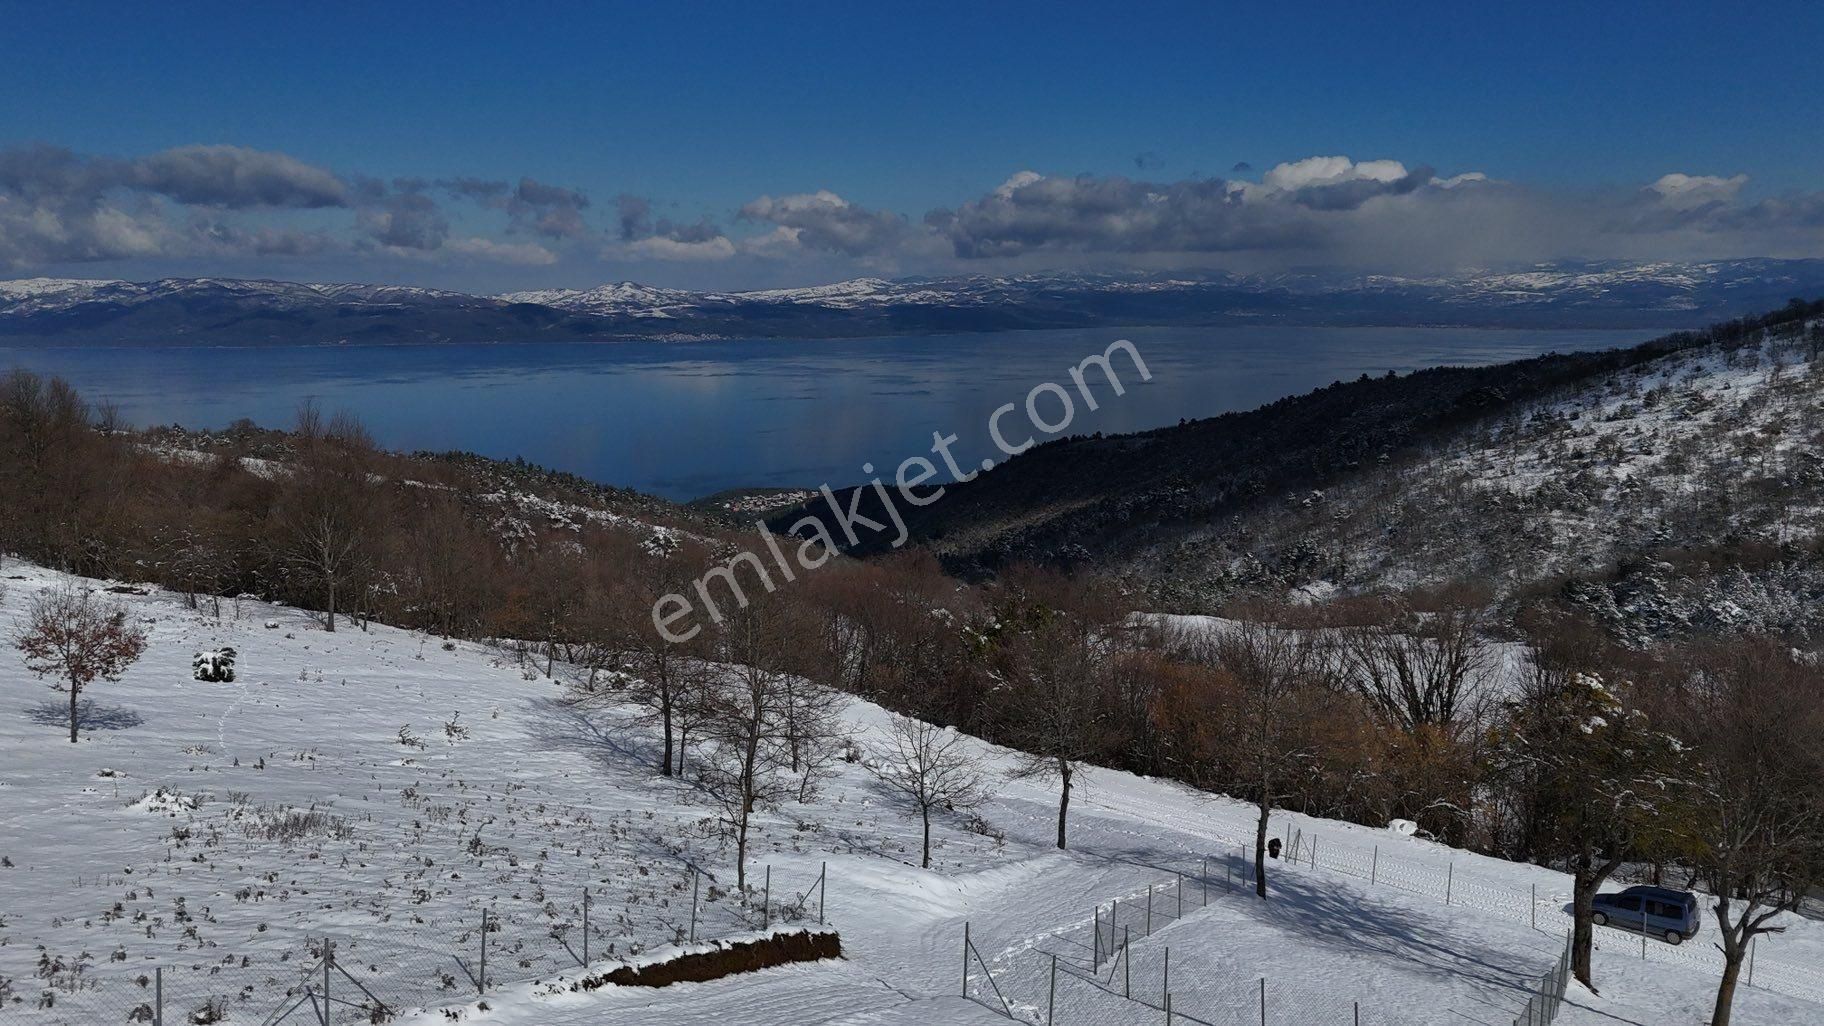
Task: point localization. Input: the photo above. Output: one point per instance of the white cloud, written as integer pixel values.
(826, 221)
(660, 247)
(528, 254)
(1018, 180)
(1311, 171)
(1692, 190)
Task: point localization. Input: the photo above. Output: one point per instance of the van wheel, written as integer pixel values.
(1600, 919)
(1674, 938)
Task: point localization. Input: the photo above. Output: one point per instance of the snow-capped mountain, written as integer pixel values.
(217, 311)
(625, 298)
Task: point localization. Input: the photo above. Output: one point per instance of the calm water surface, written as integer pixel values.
(687, 419)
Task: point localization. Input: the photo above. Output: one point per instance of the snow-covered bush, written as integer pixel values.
(215, 666)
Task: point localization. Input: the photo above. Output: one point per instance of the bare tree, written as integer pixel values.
(1051, 666)
(625, 658)
(78, 639)
(1417, 667)
(812, 730)
(1278, 706)
(1757, 716)
(932, 769)
(327, 510)
(746, 752)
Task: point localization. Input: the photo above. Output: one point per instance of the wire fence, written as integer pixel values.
(1542, 1007)
(1382, 867)
(1793, 979)
(1104, 959)
(440, 955)
(1117, 967)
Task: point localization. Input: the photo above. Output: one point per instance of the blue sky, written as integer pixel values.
(698, 110)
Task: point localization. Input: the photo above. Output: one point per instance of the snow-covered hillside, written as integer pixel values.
(1709, 450)
(383, 788)
(622, 298)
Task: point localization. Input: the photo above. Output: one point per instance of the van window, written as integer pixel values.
(1660, 908)
(1629, 904)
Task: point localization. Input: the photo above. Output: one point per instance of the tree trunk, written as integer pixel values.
(741, 852)
(665, 717)
(1587, 876)
(750, 769)
(1583, 894)
(1063, 799)
(925, 811)
(330, 620)
(73, 691)
(1260, 845)
(1725, 991)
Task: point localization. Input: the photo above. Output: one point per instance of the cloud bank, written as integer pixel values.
(235, 204)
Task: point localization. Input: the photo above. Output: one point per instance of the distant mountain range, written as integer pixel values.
(218, 311)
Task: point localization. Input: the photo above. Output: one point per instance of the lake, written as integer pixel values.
(687, 419)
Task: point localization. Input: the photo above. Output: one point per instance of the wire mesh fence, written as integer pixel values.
(453, 948)
(1118, 965)
(1544, 911)
(1542, 1007)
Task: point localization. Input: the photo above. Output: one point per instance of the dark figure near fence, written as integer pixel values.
(1273, 848)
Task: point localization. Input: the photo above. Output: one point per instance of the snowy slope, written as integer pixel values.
(1695, 450)
(195, 852)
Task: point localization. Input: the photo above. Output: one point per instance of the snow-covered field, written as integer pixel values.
(382, 789)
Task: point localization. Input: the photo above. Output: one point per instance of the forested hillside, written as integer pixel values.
(1686, 468)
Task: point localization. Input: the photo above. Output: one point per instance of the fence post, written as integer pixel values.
(481, 984)
(766, 901)
(695, 882)
(1165, 979)
(1127, 966)
(1752, 942)
(965, 958)
(1358, 1013)
(1374, 869)
(1205, 877)
(329, 958)
(1051, 998)
(1313, 851)
(1450, 872)
(1168, 1010)
(1181, 895)
(1263, 1001)
(158, 997)
(1149, 910)
(1096, 947)
(585, 926)
(1535, 906)
(823, 886)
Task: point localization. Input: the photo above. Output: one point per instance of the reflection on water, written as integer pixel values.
(687, 419)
